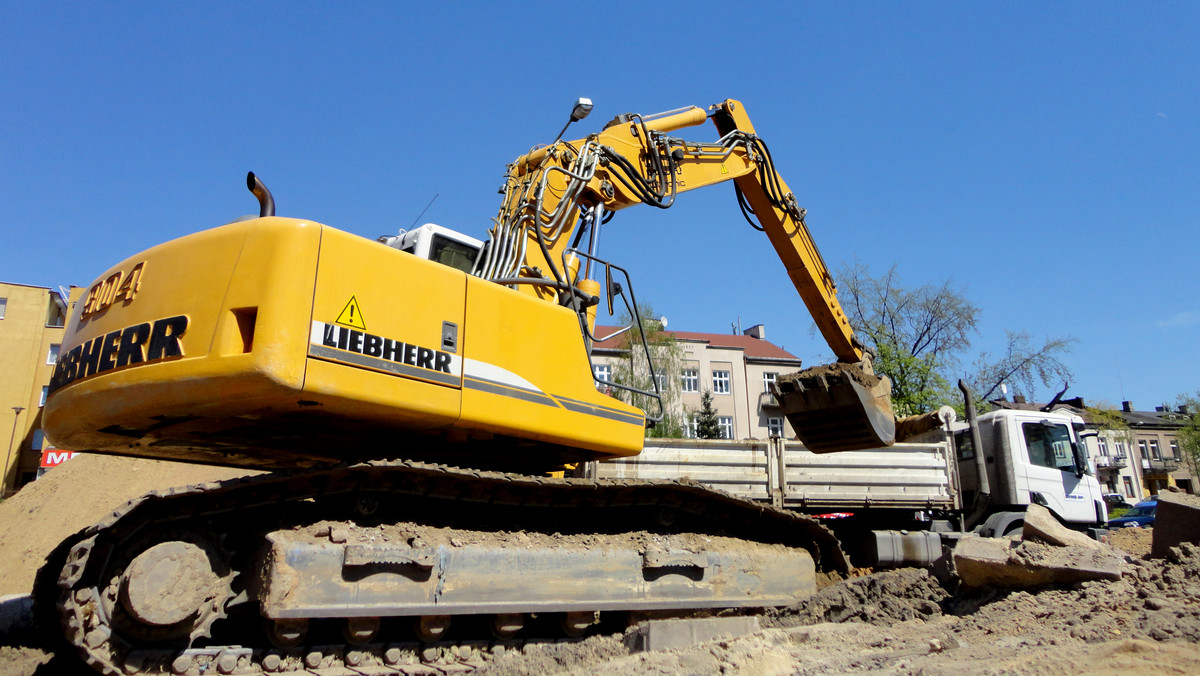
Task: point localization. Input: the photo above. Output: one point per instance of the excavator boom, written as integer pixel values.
(556, 192)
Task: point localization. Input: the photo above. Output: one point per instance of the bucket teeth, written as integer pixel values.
(838, 407)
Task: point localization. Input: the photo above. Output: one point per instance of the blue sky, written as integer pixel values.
(1045, 157)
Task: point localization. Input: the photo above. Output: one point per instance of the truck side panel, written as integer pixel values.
(902, 476)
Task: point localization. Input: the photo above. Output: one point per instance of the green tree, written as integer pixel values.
(1111, 424)
(1189, 434)
(916, 334)
(634, 369)
(707, 425)
(920, 335)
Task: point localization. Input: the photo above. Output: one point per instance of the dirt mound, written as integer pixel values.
(1133, 541)
(75, 495)
(903, 622)
(882, 599)
(1157, 600)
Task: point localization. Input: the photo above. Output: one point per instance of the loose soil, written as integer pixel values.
(901, 621)
(77, 494)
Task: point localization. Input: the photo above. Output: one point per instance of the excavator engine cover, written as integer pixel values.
(838, 407)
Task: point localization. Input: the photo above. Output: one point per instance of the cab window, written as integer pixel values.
(1049, 446)
(963, 445)
(455, 254)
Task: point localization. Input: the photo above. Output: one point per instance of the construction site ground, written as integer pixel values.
(901, 621)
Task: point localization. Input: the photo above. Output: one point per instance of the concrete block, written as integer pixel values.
(1041, 524)
(1176, 520)
(1006, 563)
(671, 634)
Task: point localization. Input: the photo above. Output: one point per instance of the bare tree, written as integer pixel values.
(917, 334)
(1023, 366)
(920, 335)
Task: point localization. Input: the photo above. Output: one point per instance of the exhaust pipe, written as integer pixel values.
(983, 488)
(266, 203)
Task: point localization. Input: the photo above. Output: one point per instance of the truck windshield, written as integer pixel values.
(1049, 446)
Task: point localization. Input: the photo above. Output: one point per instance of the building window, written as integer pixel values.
(56, 315)
(52, 355)
(3, 307)
(1120, 446)
(602, 372)
(1103, 446)
(1154, 452)
(720, 382)
(1142, 450)
(1175, 450)
(691, 429)
(725, 423)
(1128, 486)
(661, 380)
(45, 391)
(691, 380)
(775, 427)
(769, 380)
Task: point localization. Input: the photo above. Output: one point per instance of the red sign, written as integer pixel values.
(53, 457)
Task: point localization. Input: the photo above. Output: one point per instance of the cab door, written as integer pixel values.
(1050, 470)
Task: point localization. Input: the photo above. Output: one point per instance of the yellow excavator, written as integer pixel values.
(415, 395)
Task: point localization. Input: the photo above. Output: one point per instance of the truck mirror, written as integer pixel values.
(1081, 466)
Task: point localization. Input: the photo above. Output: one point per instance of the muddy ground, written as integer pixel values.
(900, 621)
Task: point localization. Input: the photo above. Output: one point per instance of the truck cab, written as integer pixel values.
(1031, 457)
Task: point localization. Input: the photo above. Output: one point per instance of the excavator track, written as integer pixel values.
(231, 577)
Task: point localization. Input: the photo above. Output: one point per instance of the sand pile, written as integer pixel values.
(75, 495)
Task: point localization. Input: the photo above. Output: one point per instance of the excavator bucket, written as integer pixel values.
(838, 407)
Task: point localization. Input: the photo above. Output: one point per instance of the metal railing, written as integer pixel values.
(1159, 465)
(768, 403)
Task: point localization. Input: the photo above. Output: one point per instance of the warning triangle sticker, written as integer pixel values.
(352, 315)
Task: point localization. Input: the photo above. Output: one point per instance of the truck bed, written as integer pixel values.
(785, 474)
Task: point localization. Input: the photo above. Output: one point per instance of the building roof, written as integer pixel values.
(1132, 418)
(754, 348)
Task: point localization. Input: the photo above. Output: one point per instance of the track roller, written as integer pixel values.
(360, 630)
(431, 628)
(575, 625)
(506, 625)
(286, 634)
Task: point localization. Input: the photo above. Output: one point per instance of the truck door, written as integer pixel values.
(1050, 471)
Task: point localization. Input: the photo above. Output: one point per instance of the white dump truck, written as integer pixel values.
(898, 505)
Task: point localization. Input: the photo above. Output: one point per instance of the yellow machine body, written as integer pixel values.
(278, 342)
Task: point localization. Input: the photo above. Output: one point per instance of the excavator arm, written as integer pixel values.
(556, 194)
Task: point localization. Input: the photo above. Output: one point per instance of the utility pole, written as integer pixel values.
(16, 414)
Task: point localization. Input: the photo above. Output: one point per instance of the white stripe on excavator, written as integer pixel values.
(473, 368)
